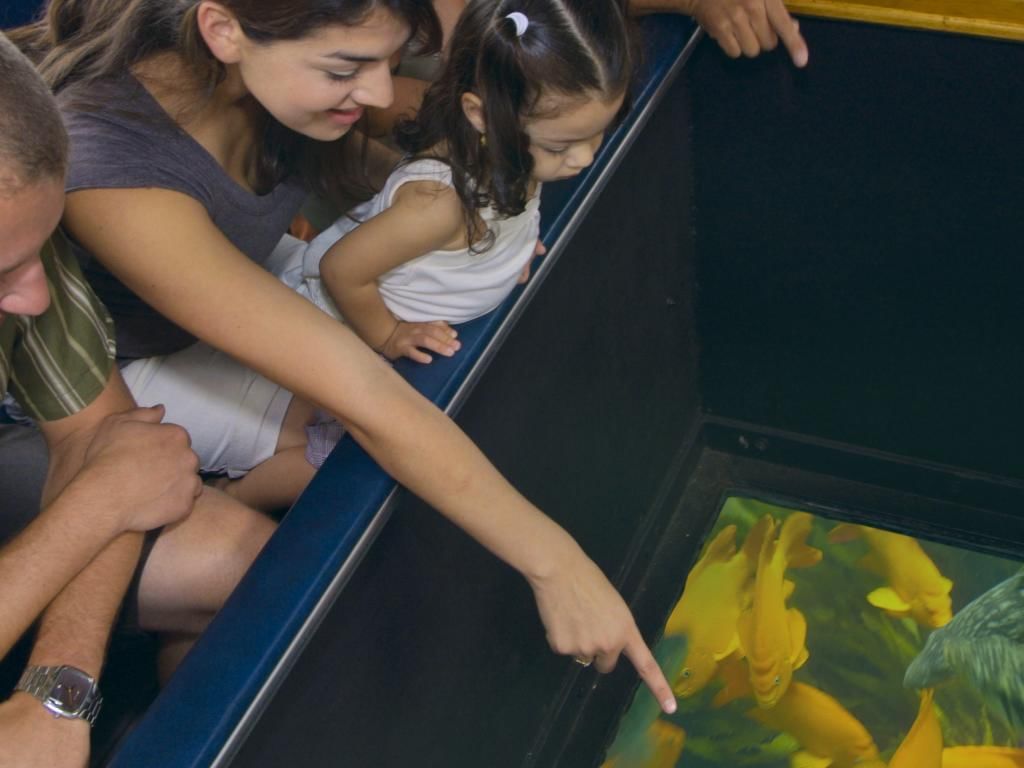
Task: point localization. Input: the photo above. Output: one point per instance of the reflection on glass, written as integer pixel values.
(799, 642)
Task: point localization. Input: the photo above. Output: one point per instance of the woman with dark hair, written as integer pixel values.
(196, 128)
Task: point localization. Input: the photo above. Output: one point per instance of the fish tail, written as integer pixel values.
(843, 533)
(756, 537)
(722, 547)
(793, 540)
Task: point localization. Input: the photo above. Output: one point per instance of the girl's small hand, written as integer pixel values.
(524, 276)
(410, 339)
(586, 618)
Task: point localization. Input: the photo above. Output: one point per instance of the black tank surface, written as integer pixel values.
(800, 287)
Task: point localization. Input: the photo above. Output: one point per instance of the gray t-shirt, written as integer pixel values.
(129, 142)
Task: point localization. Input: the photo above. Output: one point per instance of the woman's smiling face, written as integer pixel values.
(318, 85)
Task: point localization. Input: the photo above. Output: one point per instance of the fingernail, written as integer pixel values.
(669, 705)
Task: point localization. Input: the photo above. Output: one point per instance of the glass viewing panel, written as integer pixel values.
(800, 642)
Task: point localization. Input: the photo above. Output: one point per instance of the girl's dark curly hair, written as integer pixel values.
(573, 48)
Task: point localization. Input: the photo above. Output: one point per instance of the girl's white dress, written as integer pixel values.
(455, 286)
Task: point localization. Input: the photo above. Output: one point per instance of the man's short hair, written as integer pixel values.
(33, 142)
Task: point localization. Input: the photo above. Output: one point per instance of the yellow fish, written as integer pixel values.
(916, 588)
(922, 747)
(663, 744)
(717, 590)
(772, 637)
(982, 757)
(828, 734)
(735, 678)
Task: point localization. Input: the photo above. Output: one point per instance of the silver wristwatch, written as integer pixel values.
(65, 691)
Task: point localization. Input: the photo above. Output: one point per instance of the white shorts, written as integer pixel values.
(297, 265)
(232, 414)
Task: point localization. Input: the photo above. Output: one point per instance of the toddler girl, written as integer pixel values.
(527, 92)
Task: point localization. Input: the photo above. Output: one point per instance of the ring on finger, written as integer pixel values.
(583, 661)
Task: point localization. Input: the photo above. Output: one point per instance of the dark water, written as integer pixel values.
(756, 689)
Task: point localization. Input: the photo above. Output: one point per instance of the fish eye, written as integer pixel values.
(778, 680)
(686, 672)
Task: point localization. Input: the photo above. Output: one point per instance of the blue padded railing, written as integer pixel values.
(202, 715)
(14, 13)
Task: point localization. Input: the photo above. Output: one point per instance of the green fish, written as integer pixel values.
(984, 645)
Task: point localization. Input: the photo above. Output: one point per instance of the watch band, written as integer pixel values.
(39, 683)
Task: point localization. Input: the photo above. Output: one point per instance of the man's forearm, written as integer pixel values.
(76, 627)
(48, 554)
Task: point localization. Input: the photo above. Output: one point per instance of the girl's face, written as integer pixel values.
(319, 85)
(565, 143)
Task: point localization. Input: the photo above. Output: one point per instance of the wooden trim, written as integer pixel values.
(988, 18)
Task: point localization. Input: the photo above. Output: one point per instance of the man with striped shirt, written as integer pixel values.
(115, 471)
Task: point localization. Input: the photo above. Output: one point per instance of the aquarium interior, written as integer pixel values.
(862, 605)
(858, 355)
(833, 327)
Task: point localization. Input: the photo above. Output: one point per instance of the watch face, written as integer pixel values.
(70, 689)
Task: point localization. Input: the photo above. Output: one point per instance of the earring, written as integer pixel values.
(483, 141)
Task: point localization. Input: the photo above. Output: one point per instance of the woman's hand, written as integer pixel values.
(585, 617)
(410, 339)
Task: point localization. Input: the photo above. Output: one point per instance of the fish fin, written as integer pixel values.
(668, 740)
(805, 759)
(756, 536)
(745, 631)
(787, 589)
(886, 599)
(797, 636)
(922, 746)
(801, 658)
(966, 757)
(764, 557)
(735, 681)
(721, 548)
(729, 650)
(793, 540)
(843, 533)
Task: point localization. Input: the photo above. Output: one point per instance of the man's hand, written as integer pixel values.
(31, 737)
(146, 470)
(749, 27)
